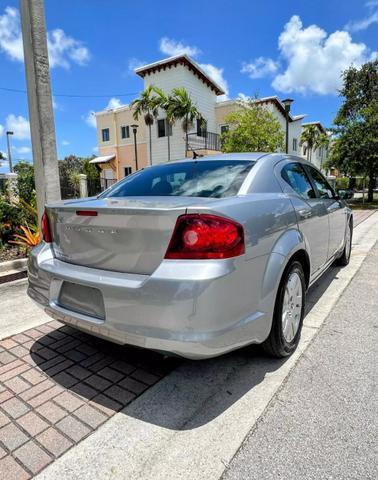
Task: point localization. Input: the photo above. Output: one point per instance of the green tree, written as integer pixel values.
(181, 107)
(252, 129)
(70, 168)
(147, 105)
(25, 181)
(355, 150)
(310, 138)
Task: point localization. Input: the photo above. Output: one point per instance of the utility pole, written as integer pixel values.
(41, 115)
(9, 133)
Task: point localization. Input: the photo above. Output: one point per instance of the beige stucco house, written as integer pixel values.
(115, 132)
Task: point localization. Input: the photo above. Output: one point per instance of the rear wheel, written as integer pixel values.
(345, 256)
(288, 313)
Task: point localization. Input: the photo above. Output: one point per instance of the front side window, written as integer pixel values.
(294, 144)
(323, 187)
(202, 178)
(296, 177)
(125, 131)
(105, 134)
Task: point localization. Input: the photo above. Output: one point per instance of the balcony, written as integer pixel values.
(205, 141)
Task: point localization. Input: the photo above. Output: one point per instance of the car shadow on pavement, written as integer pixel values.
(110, 377)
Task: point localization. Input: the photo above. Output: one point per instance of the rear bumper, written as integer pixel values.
(195, 309)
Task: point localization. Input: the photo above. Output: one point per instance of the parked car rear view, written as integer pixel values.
(195, 257)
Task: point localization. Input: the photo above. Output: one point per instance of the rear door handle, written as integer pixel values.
(304, 213)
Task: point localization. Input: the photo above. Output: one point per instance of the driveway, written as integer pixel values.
(66, 396)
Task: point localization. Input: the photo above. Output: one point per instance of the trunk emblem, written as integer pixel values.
(91, 230)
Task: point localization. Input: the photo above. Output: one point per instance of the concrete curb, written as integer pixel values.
(191, 424)
(19, 264)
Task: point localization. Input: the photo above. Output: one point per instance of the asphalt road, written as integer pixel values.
(323, 422)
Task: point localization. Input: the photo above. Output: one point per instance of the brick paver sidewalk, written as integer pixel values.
(58, 385)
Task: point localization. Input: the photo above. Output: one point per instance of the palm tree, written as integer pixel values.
(181, 107)
(164, 101)
(309, 137)
(322, 141)
(146, 105)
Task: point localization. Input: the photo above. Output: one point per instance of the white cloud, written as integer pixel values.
(10, 34)
(315, 60)
(65, 143)
(63, 49)
(243, 97)
(260, 67)
(114, 103)
(90, 119)
(135, 63)
(22, 150)
(1, 130)
(171, 47)
(364, 23)
(19, 125)
(95, 149)
(217, 75)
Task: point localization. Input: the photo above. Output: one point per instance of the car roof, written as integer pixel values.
(248, 156)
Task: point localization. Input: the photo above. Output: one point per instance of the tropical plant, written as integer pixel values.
(322, 142)
(253, 128)
(30, 237)
(10, 217)
(147, 105)
(355, 149)
(309, 138)
(181, 107)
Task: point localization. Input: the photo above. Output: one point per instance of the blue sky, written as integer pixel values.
(265, 47)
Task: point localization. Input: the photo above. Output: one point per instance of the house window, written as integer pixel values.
(125, 131)
(201, 128)
(294, 144)
(105, 134)
(128, 171)
(163, 128)
(224, 129)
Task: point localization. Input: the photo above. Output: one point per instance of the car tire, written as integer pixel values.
(343, 260)
(284, 338)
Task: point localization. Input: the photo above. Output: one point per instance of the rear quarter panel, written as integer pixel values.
(271, 237)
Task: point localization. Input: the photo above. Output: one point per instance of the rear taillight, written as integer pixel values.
(202, 236)
(45, 227)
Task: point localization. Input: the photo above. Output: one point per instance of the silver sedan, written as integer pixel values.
(195, 257)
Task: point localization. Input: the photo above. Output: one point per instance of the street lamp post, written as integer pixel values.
(9, 133)
(287, 103)
(135, 128)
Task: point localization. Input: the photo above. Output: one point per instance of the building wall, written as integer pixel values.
(123, 148)
(202, 96)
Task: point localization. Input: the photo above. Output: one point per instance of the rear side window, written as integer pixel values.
(202, 178)
(296, 177)
(324, 188)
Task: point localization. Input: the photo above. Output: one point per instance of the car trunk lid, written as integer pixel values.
(128, 235)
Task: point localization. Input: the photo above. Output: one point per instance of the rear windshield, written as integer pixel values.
(210, 178)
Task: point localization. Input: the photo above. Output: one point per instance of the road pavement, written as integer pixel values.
(323, 422)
